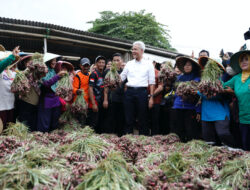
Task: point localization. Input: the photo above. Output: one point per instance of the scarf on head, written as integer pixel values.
(51, 73)
(246, 74)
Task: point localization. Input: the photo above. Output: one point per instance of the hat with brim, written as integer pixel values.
(182, 60)
(84, 61)
(49, 56)
(204, 59)
(2, 48)
(234, 61)
(65, 64)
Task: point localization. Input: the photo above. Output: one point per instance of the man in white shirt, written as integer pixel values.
(140, 75)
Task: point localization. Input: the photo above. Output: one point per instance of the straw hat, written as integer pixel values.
(2, 48)
(50, 56)
(65, 64)
(4, 54)
(234, 61)
(204, 59)
(182, 60)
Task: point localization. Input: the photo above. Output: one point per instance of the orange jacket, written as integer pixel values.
(83, 84)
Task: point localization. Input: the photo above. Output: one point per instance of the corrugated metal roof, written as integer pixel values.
(25, 27)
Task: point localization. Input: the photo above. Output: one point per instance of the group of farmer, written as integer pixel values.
(141, 103)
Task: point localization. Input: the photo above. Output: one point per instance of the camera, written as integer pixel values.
(247, 35)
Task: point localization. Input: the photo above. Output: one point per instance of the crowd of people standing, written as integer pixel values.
(140, 102)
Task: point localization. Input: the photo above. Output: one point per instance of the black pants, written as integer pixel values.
(109, 126)
(7, 116)
(184, 124)
(221, 128)
(27, 113)
(245, 135)
(165, 115)
(136, 106)
(155, 119)
(92, 120)
(96, 119)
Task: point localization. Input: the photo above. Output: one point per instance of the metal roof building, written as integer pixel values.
(41, 37)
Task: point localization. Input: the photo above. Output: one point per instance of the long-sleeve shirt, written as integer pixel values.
(242, 92)
(50, 98)
(139, 73)
(179, 103)
(6, 62)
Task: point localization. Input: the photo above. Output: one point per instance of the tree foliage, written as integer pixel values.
(132, 26)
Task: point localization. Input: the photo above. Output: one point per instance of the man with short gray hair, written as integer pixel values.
(140, 75)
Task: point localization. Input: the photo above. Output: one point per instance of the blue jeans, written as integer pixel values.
(136, 107)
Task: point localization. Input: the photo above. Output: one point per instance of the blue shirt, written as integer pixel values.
(214, 109)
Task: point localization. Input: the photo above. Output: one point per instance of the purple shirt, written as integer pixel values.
(50, 98)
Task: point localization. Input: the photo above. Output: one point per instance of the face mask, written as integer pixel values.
(230, 71)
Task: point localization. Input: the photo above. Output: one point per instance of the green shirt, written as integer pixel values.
(6, 62)
(242, 92)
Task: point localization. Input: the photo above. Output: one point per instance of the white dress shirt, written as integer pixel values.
(139, 73)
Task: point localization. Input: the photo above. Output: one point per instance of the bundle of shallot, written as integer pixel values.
(210, 84)
(20, 84)
(167, 73)
(186, 91)
(79, 106)
(112, 78)
(64, 87)
(38, 68)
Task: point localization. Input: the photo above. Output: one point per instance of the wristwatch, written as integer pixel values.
(150, 95)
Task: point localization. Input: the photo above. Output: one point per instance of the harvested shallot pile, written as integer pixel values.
(112, 78)
(187, 90)
(64, 87)
(167, 73)
(79, 106)
(20, 84)
(210, 84)
(77, 158)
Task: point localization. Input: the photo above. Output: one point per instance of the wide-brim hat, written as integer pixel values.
(2, 48)
(49, 56)
(182, 60)
(67, 65)
(204, 59)
(4, 54)
(234, 61)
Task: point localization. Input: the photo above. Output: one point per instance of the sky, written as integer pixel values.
(194, 24)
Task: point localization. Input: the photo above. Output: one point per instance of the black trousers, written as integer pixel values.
(114, 119)
(155, 119)
(220, 128)
(184, 124)
(27, 113)
(245, 135)
(96, 120)
(165, 118)
(136, 107)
